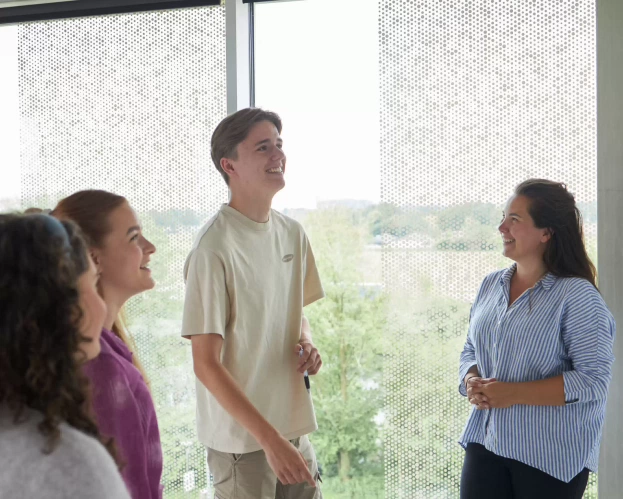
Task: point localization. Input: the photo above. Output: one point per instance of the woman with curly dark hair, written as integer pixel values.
(50, 322)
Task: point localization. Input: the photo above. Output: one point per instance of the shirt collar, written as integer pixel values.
(546, 282)
(505, 278)
(110, 343)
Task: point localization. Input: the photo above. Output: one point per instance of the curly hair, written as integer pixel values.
(41, 260)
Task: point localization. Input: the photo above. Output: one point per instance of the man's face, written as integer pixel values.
(260, 163)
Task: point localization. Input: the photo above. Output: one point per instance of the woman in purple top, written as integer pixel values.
(122, 402)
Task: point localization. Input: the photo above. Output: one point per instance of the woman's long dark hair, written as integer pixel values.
(553, 207)
(41, 260)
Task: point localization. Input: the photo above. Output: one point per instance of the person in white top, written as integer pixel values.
(51, 318)
(249, 275)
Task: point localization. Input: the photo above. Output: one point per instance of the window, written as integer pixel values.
(9, 129)
(127, 103)
(326, 89)
(407, 126)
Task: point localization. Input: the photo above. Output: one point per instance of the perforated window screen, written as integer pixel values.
(411, 128)
(476, 96)
(128, 103)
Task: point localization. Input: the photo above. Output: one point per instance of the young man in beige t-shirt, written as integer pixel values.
(249, 275)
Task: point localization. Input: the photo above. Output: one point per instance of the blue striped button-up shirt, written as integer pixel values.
(561, 326)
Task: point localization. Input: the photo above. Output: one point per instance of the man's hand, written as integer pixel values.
(310, 360)
(287, 462)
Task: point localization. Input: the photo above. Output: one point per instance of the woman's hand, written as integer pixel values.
(500, 395)
(474, 386)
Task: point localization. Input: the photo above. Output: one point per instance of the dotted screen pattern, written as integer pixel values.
(476, 96)
(127, 103)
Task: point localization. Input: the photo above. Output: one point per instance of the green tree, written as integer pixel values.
(425, 412)
(387, 218)
(347, 326)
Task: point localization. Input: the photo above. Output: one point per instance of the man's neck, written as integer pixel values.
(253, 208)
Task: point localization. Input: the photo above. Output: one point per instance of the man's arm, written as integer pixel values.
(284, 459)
(306, 336)
(310, 361)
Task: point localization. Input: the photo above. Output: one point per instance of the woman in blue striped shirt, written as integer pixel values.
(538, 358)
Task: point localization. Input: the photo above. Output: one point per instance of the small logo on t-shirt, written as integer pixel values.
(287, 258)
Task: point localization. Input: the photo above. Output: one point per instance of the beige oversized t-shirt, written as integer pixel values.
(249, 282)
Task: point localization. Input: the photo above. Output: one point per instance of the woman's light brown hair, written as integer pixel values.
(91, 210)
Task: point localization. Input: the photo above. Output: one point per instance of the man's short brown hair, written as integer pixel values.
(233, 130)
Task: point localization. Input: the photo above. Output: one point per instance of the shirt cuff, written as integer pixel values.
(462, 373)
(574, 386)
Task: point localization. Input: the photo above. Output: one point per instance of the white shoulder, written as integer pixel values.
(86, 467)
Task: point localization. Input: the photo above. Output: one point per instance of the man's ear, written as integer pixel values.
(227, 166)
(95, 256)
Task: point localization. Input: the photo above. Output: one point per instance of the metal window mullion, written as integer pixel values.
(252, 54)
(238, 57)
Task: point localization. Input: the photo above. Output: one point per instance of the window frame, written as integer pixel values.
(80, 8)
